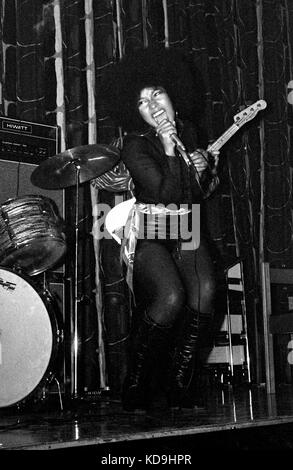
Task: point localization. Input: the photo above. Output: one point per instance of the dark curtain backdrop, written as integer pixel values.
(53, 56)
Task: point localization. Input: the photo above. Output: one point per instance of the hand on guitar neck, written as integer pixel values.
(202, 159)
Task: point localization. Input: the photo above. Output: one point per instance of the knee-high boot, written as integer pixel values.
(183, 361)
(148, 343)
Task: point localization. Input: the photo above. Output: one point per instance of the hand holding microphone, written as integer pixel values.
(177, 141)
(167, 133)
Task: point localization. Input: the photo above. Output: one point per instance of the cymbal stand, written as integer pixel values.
(74, 371)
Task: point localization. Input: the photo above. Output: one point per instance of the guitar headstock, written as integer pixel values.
(250, 112)
(239, 119)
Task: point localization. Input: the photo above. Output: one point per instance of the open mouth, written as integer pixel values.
(160, 116)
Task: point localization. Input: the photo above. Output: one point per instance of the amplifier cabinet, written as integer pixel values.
(23, 146)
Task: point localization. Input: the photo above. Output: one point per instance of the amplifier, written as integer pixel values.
(27, 142)
(23, 146)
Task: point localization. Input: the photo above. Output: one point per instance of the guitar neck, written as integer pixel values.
(215, 147)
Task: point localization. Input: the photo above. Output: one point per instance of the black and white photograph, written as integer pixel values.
(146, 231)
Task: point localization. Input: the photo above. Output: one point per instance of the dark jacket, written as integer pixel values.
(159, 178)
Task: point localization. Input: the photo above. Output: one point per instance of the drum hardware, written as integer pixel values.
(72, 168)
(59, 338)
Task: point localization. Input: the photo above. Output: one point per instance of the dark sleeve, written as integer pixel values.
(210, 184)
(154, 182)
(209, 180)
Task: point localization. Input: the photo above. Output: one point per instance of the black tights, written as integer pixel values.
(166, 282)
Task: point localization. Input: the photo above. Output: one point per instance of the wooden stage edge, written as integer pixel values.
(242, 419)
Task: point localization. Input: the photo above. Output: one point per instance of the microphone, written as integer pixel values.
(160, 117)
(177, 141)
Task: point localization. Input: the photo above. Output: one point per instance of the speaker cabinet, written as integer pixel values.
(15, 182)
(23, 146)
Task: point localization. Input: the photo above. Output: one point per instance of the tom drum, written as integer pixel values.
(31, 237)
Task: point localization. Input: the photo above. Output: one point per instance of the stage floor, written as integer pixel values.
(243, 418)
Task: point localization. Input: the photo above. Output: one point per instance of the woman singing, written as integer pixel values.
(156, 97)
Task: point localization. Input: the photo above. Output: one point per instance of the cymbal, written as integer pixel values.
(60, 171)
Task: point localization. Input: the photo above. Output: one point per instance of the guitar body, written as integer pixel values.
(116, 219)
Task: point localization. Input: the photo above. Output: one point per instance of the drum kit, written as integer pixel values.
(31, 242)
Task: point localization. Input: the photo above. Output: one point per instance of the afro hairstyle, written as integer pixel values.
(168, 68)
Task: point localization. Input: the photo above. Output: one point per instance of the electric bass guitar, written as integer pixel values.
(117, 217)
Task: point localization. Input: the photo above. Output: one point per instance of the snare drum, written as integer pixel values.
(30, 234)
(30, 337)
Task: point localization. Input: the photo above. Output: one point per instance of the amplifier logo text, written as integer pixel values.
(16, 127)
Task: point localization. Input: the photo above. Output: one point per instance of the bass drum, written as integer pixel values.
(30, 338)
